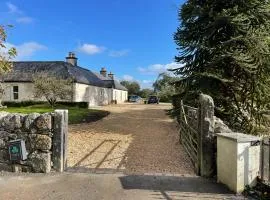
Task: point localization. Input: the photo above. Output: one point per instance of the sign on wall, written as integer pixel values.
(17, 150)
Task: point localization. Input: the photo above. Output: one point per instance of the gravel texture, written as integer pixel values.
(134, 138)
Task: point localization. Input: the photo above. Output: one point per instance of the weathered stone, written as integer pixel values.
(22, 135)
(33, 130)
(40, 162)
(221, 127)
(206, 135)
(44, 122)
(12, 136)
(5, 167)
(4, 135)
(26, 168)
(59, 155)
(2, 144)
(11, 122)
(4, 155)
(16, 168)
(3, 114)
(29, 120)
(40, 142)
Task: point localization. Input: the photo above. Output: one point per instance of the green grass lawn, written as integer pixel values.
(76, 115)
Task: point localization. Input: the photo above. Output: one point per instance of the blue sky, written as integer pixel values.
(133, 39)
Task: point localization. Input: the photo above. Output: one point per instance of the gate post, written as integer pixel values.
(60, 133)
(206, 141)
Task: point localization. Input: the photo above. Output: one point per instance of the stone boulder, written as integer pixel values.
(40, 142)
(29, 120)
(40, 162)
(221, 127)
(11, 122)
(4, 155)
(4, 135)
(44, 122)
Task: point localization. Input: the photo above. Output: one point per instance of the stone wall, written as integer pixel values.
(38, 132)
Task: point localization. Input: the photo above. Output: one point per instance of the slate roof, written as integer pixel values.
(24, 71)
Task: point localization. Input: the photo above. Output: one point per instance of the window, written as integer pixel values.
(102, 92)
(15, 92)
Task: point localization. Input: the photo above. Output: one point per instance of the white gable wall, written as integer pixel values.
(96, 96)
(120, 95)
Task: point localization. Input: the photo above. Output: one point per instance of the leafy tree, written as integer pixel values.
(52, 88)
(6, 55)
(132, 86)
(224, 49)
(144, 93)
(164, 86)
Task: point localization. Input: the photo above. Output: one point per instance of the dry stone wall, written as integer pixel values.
(37, 130)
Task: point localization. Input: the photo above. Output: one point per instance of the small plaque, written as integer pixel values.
(17, 150)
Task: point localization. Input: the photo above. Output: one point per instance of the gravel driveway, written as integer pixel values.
(134, 138)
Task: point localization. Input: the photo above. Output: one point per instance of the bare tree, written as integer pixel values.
(52, 88)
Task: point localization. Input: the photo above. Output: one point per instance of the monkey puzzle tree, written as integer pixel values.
(6, 55)
(225, 52)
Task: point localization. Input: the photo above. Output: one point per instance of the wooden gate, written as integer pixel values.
(189, 135)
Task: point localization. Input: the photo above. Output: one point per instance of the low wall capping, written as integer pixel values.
(41, 135)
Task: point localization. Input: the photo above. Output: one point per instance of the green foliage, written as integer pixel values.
(224, 49)
(164, 87)
(145, 93)
(132, 86)
(52, 88)
(6, 55)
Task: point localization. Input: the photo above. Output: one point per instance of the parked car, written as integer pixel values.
(153, 99)
(135, 98)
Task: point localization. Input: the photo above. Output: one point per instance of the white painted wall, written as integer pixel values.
(96, 96)
(120, 95)
(238, 163)
(26, 91)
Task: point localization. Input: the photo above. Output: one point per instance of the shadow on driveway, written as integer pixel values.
(175, 187)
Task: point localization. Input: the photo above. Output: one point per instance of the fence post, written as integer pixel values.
(59, 150)
(206, 136)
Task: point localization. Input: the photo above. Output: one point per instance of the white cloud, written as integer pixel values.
(146, 84)
(128, 78)
(119, 53)
(158, 68)
(12, 8)
(91, 49)
(26, 50)
(21, 18)
(24, 20)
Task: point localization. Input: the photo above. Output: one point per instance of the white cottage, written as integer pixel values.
(95, 88)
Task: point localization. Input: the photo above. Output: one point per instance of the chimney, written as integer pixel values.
(103, 72)
(72, 59)
(111, 75)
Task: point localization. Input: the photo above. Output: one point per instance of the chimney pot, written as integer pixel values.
(71, 58)
(103, 71)
(111, 75)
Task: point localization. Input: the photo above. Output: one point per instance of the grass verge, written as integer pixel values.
(76, 115)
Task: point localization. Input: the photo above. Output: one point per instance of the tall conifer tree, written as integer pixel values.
(224, 47)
